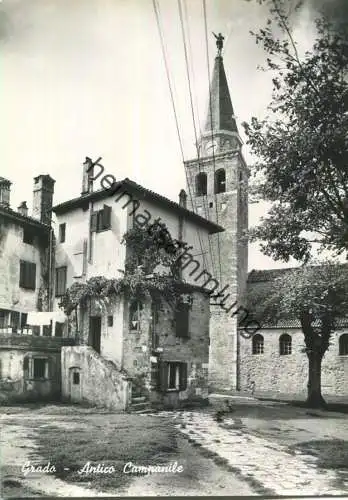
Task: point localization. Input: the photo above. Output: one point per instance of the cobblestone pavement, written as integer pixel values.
(264, 462)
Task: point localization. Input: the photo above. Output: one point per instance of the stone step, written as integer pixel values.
(145, 405)
(138, 399)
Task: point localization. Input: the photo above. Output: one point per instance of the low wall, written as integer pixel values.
(100, 381)
(17, 382)
(28, 342)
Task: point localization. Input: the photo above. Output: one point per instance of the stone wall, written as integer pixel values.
(101, 382)
(17, 382)
(194, 351)
(230, 210)
(288, 374)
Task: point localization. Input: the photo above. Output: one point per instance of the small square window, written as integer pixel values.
(110, 320)
(28, 236)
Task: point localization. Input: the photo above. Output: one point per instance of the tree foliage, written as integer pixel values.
(147, 248)
(302, 145)
(315, 295)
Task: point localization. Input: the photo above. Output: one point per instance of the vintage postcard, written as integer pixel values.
(173, 245)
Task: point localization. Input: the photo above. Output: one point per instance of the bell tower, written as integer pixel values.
(218, 183)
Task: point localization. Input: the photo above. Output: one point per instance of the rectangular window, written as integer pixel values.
(4, 318)
(182, 320)
(47, 330)
(27, 275)
(39, 368)
(28, 236)
(76, 378)
(62, 228)
(24, 318)
(110, 320)
(173, 376)
(15, 320)
(61, 273)
(58, 330)
(101, 220)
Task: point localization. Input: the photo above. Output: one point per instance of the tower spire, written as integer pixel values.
(220, 127)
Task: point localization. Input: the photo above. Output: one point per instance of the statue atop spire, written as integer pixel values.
(219, 43)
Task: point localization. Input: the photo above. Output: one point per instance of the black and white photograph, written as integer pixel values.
(173, 248)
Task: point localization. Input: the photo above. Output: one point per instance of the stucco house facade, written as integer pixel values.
(29, 354)
(164, 351)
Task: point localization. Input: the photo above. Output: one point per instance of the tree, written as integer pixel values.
(302, 145)
(316, 295)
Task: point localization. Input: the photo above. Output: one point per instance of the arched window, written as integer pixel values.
(284, 344)
(201, 184)
(135, 309)
(220, 181)
(258, 344)
(343, 345)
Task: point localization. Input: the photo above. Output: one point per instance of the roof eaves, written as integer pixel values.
(102, 193)
(24, 219)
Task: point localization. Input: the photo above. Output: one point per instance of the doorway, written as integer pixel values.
(95, 332)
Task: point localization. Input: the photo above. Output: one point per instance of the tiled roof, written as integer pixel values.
(263, 275)
(262, 280)
(22, 219)
(140, 192)
(295, 323)
(3, 180)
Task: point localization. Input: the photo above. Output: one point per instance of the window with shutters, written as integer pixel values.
(101, 220)
(62, 228)
(173, 376)
(61, 273)
(27, 275)
(182, 320)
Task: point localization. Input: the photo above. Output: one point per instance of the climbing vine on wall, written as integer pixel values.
(147, 248)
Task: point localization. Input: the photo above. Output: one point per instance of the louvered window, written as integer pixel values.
(101, 220)
(27, 275)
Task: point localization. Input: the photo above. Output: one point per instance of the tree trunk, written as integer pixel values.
(314, 398)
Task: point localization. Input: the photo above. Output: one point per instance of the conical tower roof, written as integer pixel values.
(220, 114)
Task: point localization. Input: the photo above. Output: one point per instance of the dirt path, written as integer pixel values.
(201, 476)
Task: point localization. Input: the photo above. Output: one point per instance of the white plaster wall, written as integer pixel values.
(192, 234)
(12, 250)
(108, 254)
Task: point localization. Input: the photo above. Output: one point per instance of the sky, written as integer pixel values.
(87, 78)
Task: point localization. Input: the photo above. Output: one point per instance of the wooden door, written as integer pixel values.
(95, 332)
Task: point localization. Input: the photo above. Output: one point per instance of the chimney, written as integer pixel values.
(183, 198)
(43, 198)
(87, 176)
(5, 188)
(23, 209)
